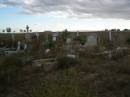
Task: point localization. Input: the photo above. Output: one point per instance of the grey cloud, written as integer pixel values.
(10, 2)
(76, 8)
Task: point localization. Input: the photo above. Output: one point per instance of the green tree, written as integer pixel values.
(21, 30)
(8, 29)
(3, 31)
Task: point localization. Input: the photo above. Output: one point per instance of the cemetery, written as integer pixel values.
(44, 63)
(64, 48)
(36, 42)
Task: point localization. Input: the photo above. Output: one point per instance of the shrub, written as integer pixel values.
(81, 39)
(10, 64)
(10, 68)
(128, 40)
(66, 62)
(49, 44)
(90, 52)
(117, 55)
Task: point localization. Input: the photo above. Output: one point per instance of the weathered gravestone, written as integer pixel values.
(54, 36)
(68, 40)
(91, 40)
(37, 35)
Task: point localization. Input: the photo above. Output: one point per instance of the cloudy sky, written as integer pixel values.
(56, 15)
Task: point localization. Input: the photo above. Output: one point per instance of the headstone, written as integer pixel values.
(19, 44)
(54, 36)
(71, 56)
(29, 47)
(28, 36)
(91, 40)
(37, 35)
(25, 46)
(36, 63)
(68, 41)
(47, 51)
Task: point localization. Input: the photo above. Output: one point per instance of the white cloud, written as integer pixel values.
(2, 5)
(28, 2)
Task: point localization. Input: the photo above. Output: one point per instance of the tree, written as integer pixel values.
(113, 30)
(30, 30)
(126, 30)
(8, 29)
(21, 30)
(118, 30)
(27, 28)
(24, 30)
(3, 31)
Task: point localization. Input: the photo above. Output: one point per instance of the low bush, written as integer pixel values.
(90, 52)
(10, 68)
(66, 62)
(116, 55)
(81, 39)
(128, 40)
(49, 44)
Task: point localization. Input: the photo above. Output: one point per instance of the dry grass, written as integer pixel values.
(94, 77)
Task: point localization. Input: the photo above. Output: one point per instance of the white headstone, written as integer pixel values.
(18, 47)
(28, 37)
(71, 56)
(54, 38)
(55, 34)
(37, 35)
(25, 46)
(47, 51)
(68, 40)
